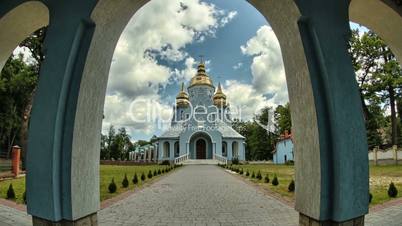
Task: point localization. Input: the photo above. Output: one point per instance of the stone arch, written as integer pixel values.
(194, 138)
(321, 91)
(19, 23)
(384, 17)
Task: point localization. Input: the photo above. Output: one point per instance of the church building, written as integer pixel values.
(201, 124)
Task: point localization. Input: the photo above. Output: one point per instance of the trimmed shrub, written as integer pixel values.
(290, 163)
(241, 171)
(253, 175)
(291, 187)
(163, 170)
(124, 183)
(247, 173)
(259, 176)
(392, 191)
(135, 179)
(112, 187)
(235, 161)
(370, 197)
(155, 173)
(143, 176)
(10, 192)
(266, 178)
(150, 174)
(275, 181)
(165, 162)
(159, 171)
(24, 197)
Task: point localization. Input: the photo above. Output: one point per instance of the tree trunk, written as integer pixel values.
(393, 115)
(25, 127)
(366, 112)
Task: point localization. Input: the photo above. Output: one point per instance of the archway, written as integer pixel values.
(330, 148)
(201, 148)
(224, 148)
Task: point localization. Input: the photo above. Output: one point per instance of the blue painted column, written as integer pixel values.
(340, 194)
(54, 191)
(229, 150)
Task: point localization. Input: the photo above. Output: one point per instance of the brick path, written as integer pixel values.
(201, 195)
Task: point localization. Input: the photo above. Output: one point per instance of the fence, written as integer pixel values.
(391, 156)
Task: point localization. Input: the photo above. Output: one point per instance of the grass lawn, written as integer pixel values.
(380, 178)
(107, 172)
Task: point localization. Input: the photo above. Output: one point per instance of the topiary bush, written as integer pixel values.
(10, 192)
(247, 173)
(235, 161)
(275, 181)
(112, 187)
(259, 176)
(124, 183)
(266, 178)
(150, 174)
(163, 170)
(253, 175)
(165, 162)
(241, 171)
(159, 171)
(291, 187)
(370, 197)
(392, 191)
(135, 179)
(155, 173)
(143, 176)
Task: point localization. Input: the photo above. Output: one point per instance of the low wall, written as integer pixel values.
(126, 163)
(389, 156)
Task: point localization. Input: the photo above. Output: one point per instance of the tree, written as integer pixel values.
(18, 79)
(282, 119)
(379, 77)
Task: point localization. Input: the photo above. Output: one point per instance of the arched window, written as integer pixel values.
(176, 149)
(166, 149)
(224, 149)
(235, 149)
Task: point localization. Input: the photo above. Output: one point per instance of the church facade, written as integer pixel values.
(201, 124)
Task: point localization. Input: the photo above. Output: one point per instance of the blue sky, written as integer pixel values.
(160, 48)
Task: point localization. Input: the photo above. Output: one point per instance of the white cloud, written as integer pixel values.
(267, 67)
(159, 30)
(246, 98)
(238, 66)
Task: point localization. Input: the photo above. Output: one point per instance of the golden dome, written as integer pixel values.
(220, 97)
(182, 97)
(201, 78)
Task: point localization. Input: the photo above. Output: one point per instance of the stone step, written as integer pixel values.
(201, 162)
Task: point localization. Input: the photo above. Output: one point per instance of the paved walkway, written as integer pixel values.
(201, 195)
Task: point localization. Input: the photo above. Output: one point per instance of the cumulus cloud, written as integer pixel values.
(158, 31)
(267, 67)
(244, 100)
(238, 66)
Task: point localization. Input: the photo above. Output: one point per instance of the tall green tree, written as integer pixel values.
(283, 121)
(379, 77)
(18, 79)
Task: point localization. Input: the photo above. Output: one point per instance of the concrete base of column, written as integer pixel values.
(307, 221)
(91, 220)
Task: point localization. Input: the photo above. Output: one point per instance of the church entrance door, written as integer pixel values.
(201, 149)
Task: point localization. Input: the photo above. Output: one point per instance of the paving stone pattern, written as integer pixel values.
(199, 195)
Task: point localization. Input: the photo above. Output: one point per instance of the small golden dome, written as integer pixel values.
(201, 78)
(182, 97)
(220, 97)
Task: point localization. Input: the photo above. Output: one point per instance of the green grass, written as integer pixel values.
(380, 178)
(107, 172)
